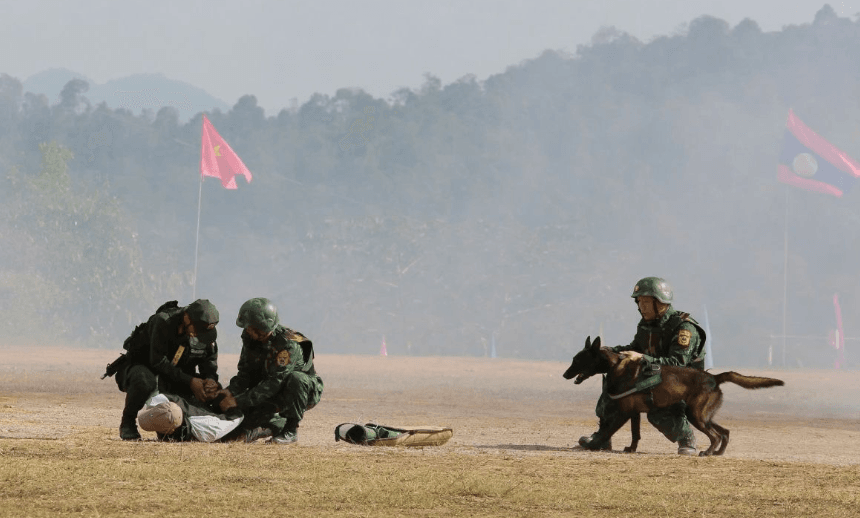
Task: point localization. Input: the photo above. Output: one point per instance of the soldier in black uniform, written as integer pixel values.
(276, 382)
(173, 352)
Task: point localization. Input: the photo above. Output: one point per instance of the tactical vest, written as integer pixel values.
(307, 349)
(667, 333)
(137, 343)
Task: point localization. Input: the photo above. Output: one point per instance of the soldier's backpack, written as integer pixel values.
(137, 343)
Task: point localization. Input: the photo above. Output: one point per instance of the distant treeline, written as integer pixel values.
(513, 213)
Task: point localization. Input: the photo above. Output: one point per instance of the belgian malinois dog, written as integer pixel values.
(700, 390)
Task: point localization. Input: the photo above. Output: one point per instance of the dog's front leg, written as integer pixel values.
(635, 421)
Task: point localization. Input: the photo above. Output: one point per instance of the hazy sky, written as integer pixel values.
(291, 49)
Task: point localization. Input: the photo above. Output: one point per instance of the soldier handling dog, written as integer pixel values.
(175, 353)
(664, 336)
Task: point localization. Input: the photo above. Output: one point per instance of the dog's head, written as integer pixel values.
(587, 362)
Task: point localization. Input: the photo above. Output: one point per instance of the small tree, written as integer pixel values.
(71, 267)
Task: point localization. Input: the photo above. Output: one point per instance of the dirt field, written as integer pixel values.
(495, 406)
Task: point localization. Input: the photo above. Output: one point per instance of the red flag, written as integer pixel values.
(218, 159)
(809, 162)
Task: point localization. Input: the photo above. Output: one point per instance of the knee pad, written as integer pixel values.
(162, 418)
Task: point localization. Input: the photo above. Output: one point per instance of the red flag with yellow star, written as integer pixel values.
(218, 159)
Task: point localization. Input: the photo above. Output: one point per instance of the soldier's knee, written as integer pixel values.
(301, 390)
(670, 425)
(298, 382)
(315, 394)
(140, 380)
(658, 418)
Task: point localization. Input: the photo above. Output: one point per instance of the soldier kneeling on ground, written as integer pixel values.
(276, 380)
(664, 336)
(173, 352)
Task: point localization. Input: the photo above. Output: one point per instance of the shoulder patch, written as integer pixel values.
(284, 358)
(178, 355)
(684, 336)
(295, 336)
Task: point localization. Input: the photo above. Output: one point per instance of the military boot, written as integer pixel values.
(602, 438)
(599, 440)
(596, 441)
(261, 432)
(128, 427)
(289, 435)
(687, 445)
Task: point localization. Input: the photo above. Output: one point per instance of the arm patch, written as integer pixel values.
(283, 358)
(684, 336)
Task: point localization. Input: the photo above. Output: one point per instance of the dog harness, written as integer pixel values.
(649, 377)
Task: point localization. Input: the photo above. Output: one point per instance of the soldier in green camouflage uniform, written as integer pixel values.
(666, 337)
(276, 382)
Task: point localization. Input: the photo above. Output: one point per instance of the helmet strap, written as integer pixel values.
(658, 309)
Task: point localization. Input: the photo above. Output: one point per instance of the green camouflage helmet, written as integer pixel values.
(258, 313)
(654, 287)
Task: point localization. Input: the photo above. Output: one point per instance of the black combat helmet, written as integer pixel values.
(654, 287)
(258, 313)
(204, 316)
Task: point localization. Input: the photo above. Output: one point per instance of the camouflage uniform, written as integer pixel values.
(276, 382)
(162, 360)
(671, 340)
(674, 338)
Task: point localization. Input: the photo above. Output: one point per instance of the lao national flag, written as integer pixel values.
(218, 159)
(810, 162)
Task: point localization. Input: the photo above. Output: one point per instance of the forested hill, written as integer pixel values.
(514, 213)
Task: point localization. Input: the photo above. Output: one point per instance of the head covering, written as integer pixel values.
(204, 315)
(258, 313)
(656, 287)
(162, 418)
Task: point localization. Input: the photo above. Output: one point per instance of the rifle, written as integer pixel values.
(114, 366)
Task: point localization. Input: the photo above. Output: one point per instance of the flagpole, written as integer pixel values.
(217, 159)
(197, 241)
(784, 274)
(709, 339)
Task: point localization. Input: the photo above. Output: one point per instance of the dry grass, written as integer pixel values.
(96, 475)
(794, 452)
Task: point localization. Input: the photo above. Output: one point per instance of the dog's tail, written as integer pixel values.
(747, 382)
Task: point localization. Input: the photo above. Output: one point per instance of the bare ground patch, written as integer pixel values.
(495, 406)
(794, 450)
